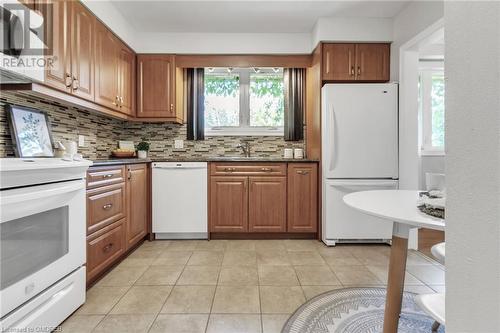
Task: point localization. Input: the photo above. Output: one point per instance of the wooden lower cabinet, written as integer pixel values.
(137, 188)
(104, 247)
(228, 204)
(264, 198)
(117, 214)
(302, 197)
(267, 204)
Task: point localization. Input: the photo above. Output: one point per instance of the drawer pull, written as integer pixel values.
(107, 248)
(266, 169)
(229, 169)
(302, 172)
(108, 175)
(107, 206)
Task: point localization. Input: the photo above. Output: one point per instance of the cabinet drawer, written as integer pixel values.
(104, 206)
(106, 175)
(104, 247)
(251, 169)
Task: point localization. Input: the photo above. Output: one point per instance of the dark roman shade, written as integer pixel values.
(294, 80)
(195, 103)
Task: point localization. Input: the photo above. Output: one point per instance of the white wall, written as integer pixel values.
(472, 39)
(224, 43)
(417, 16)
(347, 29)
(433, 164)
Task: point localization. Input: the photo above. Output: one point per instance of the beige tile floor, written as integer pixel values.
(233, 286)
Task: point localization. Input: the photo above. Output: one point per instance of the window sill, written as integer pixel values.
(244, 132)
(428, 152)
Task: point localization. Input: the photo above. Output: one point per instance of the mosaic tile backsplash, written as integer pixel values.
(102, 133)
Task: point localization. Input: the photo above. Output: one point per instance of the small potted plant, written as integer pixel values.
(142, 149)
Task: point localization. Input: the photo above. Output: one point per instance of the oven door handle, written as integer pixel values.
(13, 196)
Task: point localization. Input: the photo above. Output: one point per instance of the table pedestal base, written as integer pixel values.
(396, 279)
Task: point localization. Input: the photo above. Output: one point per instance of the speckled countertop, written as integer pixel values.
(101, 162)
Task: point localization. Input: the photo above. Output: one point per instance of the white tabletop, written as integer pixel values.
(393, 205)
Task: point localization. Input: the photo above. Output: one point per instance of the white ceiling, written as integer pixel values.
(246, 16)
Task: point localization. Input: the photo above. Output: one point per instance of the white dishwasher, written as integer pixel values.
(180, 200)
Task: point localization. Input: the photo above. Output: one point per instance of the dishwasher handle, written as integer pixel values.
(176, 166)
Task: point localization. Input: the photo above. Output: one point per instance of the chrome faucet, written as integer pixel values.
(245, 147)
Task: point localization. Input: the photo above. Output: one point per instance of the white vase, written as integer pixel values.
(142, 153)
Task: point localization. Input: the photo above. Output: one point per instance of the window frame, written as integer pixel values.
(244, 129)
(426, 71)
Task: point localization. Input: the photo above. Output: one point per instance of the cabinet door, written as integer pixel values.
(58, 21)
(267, 204)
(302, 197)
(106, 67)
(127, 80)
(228, 204)
(372, 62)
(338, 62)
(137, 198)
(156, 86)
(82, 51)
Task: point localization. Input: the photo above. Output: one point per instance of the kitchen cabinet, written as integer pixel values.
(302, 197)
(338, 62)
(251, 197)
(137, 194)
(372, 62)
(365, 62)
(228, 204)
(70, 29)
(156, 80)
(126, 79)
(106, 67)
(267, 204)
(117, 214)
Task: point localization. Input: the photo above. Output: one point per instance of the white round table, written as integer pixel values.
(398, 207)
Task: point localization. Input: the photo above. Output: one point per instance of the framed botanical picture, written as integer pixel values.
(30, 131)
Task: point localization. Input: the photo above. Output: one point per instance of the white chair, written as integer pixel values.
(434, 304)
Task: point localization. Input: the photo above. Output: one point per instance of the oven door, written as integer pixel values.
(42, 230)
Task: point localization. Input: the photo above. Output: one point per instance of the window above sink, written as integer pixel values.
(244, 101)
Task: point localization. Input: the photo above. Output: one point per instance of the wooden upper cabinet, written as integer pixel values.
(57, 20)
(137, 196)
(267, 204)
(156, 86)
(126, 76)
(302, 197)
(345, 62)
(338, 62)
(82, 50)
(106, 67)
(372, 62)
(228, 204)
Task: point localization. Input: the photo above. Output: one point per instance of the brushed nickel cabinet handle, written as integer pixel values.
(108, 175)
(107, 247)
(115, 103)
(70, 82)
(302, 172)
(129, 174)
(266, 169)
(121, 101)
(352, 70)
(359, 70)
(76, 83)
(171, 108)
(107, 206)
(229, 169)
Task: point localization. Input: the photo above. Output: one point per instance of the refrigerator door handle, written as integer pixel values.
(348, 184)
(332, 137)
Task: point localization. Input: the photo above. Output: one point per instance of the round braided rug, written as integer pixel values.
(355, 310)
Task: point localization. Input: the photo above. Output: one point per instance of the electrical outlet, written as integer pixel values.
(81, 140)
(178, 144)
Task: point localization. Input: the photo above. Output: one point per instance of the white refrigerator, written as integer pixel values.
(359, 153)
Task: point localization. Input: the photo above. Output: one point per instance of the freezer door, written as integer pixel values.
(360, 131)
(343, 223)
